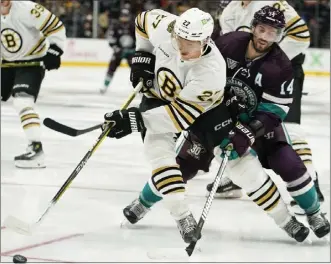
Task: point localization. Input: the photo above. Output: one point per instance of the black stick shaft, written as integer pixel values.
(190, 248)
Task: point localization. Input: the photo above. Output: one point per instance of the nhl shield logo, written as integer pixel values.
(232, 63)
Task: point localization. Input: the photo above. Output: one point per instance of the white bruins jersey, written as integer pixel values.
(236, 17)
(190, 87)
(28, 30)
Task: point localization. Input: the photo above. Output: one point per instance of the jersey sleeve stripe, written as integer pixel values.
(145, 26)
(292, 22)
(174, 119)
(182, 119)
(52, 26)
(55, 30)
(196, 107)
(277, 100)
(300, 38)
(42, 27)
(298, 29)
(41, 50)
(38, 45)
(187, 116)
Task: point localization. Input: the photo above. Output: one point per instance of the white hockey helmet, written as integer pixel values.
(194, 24)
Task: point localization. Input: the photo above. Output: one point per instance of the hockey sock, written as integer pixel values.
(108, 79)
(303, 191)
(268, 198)
(29, 118)
(302, 148)
(147, 197)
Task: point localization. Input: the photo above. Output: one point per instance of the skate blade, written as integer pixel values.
(24, 164)
(170, 254)
(18, 225)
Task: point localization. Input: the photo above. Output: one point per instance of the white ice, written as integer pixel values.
(85, 224)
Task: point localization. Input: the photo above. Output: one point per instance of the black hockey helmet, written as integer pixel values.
(270, 16)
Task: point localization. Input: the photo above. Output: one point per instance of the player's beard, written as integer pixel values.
(259, 47)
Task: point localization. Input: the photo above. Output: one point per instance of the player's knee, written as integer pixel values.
(286, 163)
(23, 100)
(247, 172)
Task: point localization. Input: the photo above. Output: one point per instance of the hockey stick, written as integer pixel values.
(25, 228)
(70, 131)
(22, 64)
(190, 248)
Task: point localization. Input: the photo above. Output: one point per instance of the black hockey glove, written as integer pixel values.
(52, 59)
(125, 122)
(238, 110)
(142, 67)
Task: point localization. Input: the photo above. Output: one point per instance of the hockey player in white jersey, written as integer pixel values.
(178, 64)
(31, 37)
(237, 16)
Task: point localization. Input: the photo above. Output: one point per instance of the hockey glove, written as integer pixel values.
(238, 110)
(238, 142)
(124, 122)
(52, 59)
(142, 68)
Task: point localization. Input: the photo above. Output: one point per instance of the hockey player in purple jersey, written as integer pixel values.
(122, 40)
(260, 75)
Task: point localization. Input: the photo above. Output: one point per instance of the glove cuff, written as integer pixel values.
(55, 50)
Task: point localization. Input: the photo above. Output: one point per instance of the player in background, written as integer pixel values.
(237, 16)
(122, 40)
(29, 33)
(178, 64)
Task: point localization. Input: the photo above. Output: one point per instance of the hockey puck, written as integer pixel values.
(19, 259)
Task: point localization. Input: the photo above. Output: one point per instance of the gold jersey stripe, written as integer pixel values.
(45, 22)
(145, 27)
(191, 104)
(52, 26)
(303, 152)
(36, 47)
(298, 30)
(55, 30)
(185, 115)
(292, 22)
(174, 119)
(141, 33)
(298, 38)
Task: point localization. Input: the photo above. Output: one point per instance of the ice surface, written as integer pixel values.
(85, 225)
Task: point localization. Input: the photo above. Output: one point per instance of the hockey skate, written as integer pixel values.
(135, 211)
(33, 158)
(186, 225)
(296, 230)
(319, 224)
(227, 189)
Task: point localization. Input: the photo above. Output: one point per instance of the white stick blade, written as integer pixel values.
(17, 225)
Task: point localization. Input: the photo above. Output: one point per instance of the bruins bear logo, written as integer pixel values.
(169, 84)
(11, 40)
